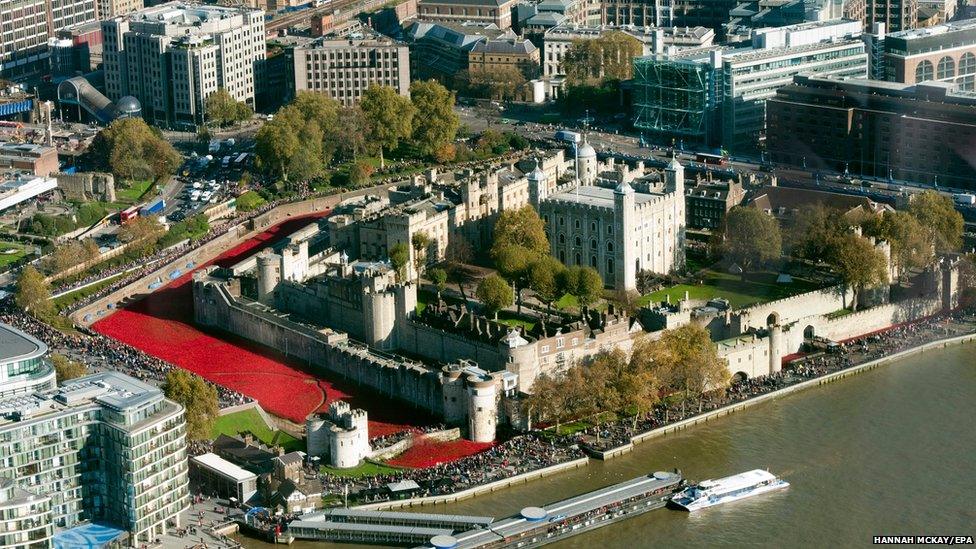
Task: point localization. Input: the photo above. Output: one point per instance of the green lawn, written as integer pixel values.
(68, 299)
(510, 318)
(839, 313)
(7, 256)
(250, 420)
(364, 469)
(757, 288)
(133, 193)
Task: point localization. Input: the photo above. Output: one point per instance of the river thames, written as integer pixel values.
(888, 452)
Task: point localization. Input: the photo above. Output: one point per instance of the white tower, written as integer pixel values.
(586, 163)
(625, 268)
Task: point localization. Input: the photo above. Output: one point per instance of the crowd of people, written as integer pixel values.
(515, 456)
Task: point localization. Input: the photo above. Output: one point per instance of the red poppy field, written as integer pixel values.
(429, 453)
(162, 325)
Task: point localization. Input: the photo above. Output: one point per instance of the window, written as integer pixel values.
(610, 266)
(967, 64)
(947, 68)
(924, 71)
(578, 241)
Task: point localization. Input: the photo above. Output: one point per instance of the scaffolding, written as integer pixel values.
(675, 98)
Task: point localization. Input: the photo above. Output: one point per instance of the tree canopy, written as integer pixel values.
(912, 245)
(224, 110)
(66, 369)
(609, 57)
(399, 259)
(33, 293)
(935, 212)
(294, 144)
(198, 397)
(751, 237)
(522, 227)
(133, 151)
(583, 283)
(859, 264)
(494, 293)
(435, 124)
(389, 114)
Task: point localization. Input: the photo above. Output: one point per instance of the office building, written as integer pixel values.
(28, 158)
(171, 57)
(923, 133)
(440, 50)
(28, 26)
(492, 12)
(946, 53)
(716, 96)
(897, 15)
(344, 69)
(107, 9)
(101, 448)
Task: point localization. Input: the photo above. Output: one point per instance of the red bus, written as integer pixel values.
(128, 214)
(712, 159)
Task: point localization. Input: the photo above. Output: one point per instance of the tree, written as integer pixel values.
(66, 369)
(198, 397)
(359, 173)
(389, 115)
(438, 277)
(495, 294)
(936, 212)
(224, 110)
(912, 245)
(277, 142)
(298, 143)
(435, 123)
(502, 83)
(514, 262)
(549, 400)
(349, 137)
(859, 264)
(609, 57)
(399, 259)
(699, 367)
(420, 242)
(813, 230)
(545, 278)
(751, 237)
(522, 227)
(249, 201)
(583, 283)
(133, 151)
(34, 294)
(141, 234)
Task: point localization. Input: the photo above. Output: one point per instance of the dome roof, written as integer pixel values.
(674, 164)
(128, 105)
(586, 151)
(624, 188)
(537, 174)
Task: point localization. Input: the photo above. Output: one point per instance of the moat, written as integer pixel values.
(885, 452)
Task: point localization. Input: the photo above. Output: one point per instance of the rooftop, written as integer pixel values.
(955, 26)
(16, 345)
(222, 466)
(590, 195)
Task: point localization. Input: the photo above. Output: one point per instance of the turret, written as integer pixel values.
(625, 272)
(482, 409)
(586, 165)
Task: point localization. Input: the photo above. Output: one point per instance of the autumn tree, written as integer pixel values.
(545, 279)
(399, 259)
(583, 283)
(912, 245)
(141, 234)
(33, 293)
(936, 213)
(66, 369)
(813, 230)
(133, 151)
(495, 294)
(295, 144)
(389, 115)
(224, 110)
(859, 264)
(522, 227)
(360, 172)
(197, 397)
(608, 57)
(751, 238)
(438, 277)
(435, 124)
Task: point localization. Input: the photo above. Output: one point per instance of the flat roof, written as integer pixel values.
(15, 344)
(591, 195)
(405, 516)
(224, 467)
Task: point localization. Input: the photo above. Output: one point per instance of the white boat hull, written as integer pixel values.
(706, 502)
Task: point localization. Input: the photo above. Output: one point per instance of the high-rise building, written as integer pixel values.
(27, 27)
(173, 56)
(716, 96)
(344, 69)
(104, 447)
(897, 15)
(946, 53)
(924, 133)
(108, 9)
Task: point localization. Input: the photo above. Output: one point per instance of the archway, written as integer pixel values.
(739, 377)
(809, 332)
(772, 319)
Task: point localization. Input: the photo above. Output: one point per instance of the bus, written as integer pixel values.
(128, 214)
(712, 159)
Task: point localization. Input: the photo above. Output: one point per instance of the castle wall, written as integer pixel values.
(790, 309)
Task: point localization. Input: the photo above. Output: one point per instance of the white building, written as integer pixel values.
(171, 57)
(24, 366)
(604, 223)
(19, 188)
(341, 437)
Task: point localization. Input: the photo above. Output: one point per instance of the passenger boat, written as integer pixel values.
(713, 492)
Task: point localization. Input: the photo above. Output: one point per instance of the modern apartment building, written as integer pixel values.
(27, 27)
(924, 133)
(104, 447)
(171, 57)
(716, 96)
(897, 15)
(946, 53)
(24, 367)
(496, 12)
(344, 69)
